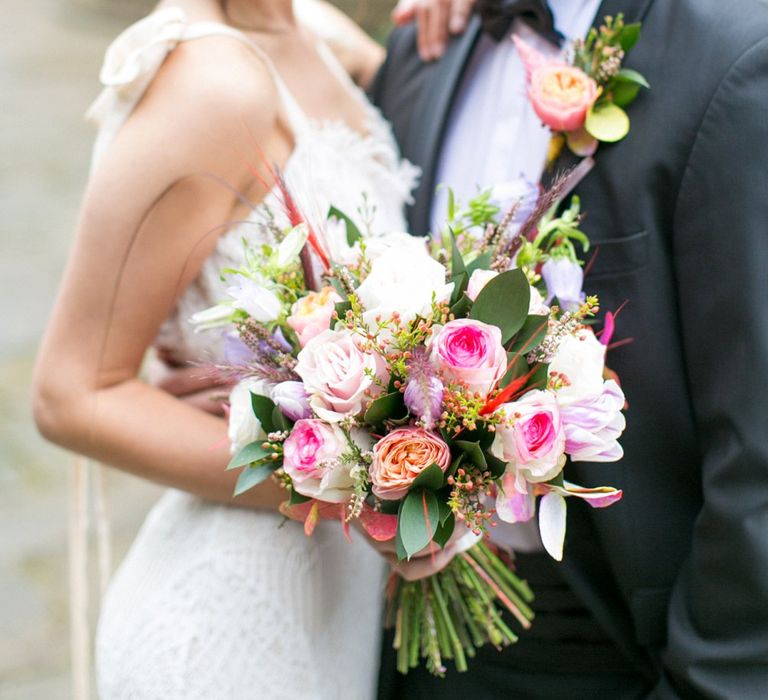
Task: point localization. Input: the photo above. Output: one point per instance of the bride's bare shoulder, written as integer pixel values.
(214, 92)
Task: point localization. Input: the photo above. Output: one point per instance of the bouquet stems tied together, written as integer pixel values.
(452, 613)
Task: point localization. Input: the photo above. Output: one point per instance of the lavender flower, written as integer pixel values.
(236, 352)
(564, 279)
(424, 389)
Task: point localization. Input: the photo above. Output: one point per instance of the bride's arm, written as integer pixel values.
(148, 221)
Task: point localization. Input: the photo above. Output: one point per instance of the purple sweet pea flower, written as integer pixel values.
(236, 352)
(593, 425)
(564, 279)
(291, 398)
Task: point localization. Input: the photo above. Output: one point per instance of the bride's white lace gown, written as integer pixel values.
(220, 603)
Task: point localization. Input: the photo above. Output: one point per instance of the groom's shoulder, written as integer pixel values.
(720, 31)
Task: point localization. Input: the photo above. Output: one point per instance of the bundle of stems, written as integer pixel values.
(452, 613)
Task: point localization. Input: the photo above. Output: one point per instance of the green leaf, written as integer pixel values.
(629, 36)
(624, 94)
(504, 303)
(473, 452)
(445, 511)
(496, 466)
(457, 261)
(296, 498)
(417, 521)
(627, 75)
(518, 368)
(387, 406)
(607, 122)
(342, 307)
(253, 452)
(263, 408)
(530, 335)
(460, 284)
(444, 531)
(462, 307)
(430, 478)
(280, 421)
(253, 476)
(353, 233)
(399, 547)
(481, 262)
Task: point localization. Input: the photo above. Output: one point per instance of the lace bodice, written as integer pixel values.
(331, 163)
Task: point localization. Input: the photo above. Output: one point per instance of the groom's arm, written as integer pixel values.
(718, 620)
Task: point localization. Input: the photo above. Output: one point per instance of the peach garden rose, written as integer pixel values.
(311, 315)
(401, 456)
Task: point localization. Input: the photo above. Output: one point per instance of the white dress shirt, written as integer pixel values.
(494, 139)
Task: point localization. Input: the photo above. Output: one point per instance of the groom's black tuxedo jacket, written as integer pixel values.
(677, 572)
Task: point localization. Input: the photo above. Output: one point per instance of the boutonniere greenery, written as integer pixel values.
(582, 95)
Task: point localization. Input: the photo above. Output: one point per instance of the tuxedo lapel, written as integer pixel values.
(425, 141)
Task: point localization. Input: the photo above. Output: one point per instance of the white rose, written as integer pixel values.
(256, 300)
(537, 307)
(580, 360)
(244, 428)
(477, 281)
(405, 282)
(407, 244)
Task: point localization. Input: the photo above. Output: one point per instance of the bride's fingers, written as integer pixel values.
(210, 401)
(422, 29)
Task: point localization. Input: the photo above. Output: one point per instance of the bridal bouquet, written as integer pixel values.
(425, 389)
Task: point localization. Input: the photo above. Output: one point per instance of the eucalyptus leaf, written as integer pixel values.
(431, 478)
(530, 335)
(263, 408)
(504, 302)
(296, 498)
(629, 36)
(279, 421)
(627, 75)
(607, 122)
(253, 476)
(444, 531)
(252, 452)
(462, 307)
(353, 233)
(496, 466)
(457, 261)
(417, 521)
(460, 284)
(473, 452)
(481, 262)
(624, 94)
(387, 406)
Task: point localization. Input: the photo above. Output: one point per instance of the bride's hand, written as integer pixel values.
(436, 20)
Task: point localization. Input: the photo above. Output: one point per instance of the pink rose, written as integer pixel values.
(311, 459)
(531, 439)
(312, 314)
(339, 376)
(470, 352)
(401, 456)
(560, 94)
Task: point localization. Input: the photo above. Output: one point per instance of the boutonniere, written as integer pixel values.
(582, 95)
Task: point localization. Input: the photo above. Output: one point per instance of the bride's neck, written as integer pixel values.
(261, 15)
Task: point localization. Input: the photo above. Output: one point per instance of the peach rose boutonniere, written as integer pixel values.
(583, 99)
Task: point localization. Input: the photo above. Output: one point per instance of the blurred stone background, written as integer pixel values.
(50, 53)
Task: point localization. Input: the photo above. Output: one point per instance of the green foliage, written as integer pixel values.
(264, 409)
(353, 233)
(387, 407)
(417, 521)
(431, 478)
(253, 476)
(607, 122)
(504, 303)
(253, 452)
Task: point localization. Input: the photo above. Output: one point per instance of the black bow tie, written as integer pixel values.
(497, 17)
